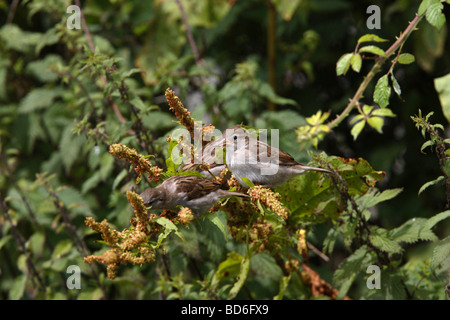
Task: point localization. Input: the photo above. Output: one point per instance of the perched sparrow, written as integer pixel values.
(197, 193)
(252, 158)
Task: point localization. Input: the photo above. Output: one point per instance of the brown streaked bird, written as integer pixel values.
(253, 159)
(197, 193)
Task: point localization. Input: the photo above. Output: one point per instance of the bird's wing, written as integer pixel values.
(196, 187)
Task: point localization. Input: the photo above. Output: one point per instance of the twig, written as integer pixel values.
(192, 44)
(318, 252)
(92, 47)
(375, 69)
(271, 45)
(12, 11)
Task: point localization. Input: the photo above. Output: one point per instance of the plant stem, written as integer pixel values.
(375, 69)
(271, 53)
(190, 37)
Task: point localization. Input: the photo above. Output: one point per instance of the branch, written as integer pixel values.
(190, 37)
(375, 69)
(92, 47)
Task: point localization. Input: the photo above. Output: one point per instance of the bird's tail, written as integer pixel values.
(308, 168)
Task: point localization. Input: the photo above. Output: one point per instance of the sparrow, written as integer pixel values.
(250, 157)
(197, 193)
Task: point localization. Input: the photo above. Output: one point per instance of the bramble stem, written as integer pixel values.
(375, 69)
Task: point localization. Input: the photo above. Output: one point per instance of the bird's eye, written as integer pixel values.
(235, 137)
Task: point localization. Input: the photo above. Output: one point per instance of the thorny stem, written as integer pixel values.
(92, 47)
(271, 45)
(375, 69)
(190, 37)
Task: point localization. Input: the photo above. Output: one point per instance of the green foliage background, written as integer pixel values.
(58, 117)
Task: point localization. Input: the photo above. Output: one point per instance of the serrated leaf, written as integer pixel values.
(406, 58)
(413, 230)
(310, 197)
(169, 227)
(441, 252)
(429, 184)
(355, 62)
(431, 222)
(352, 265)
(373, 49)
(357, 128)
(343, 64)
(39, 98)
(70, 146)
(374, 197)
(370, 38)
(382, 91)
(435, 16)
(380, 239)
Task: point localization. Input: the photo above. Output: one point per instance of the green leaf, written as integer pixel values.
(244, 268)
(138, 103)
(431, 222)
(382, 91)
(169, 227)
(357, 128)
(229, 268)
(39, 98)
(18, 287)
(355, 62)
(406, 58)
(343, 64)
(352, 265)
(380, 238)
(441, 252)
(429, 184)
(266, 91)
(312, 197)
(370, 38)
(395, 85)
(442, 86)
(434, 14)
(383, 112)
(42, 69)
(70, 146)
(423, 7)
(62, 248)
(374, 197)
(425, 145)
(122, 174)
(218, 223)
(284, 281)
(248, 182)
(373, 49)
(286, 8)
(413, 230)
(376, 123)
